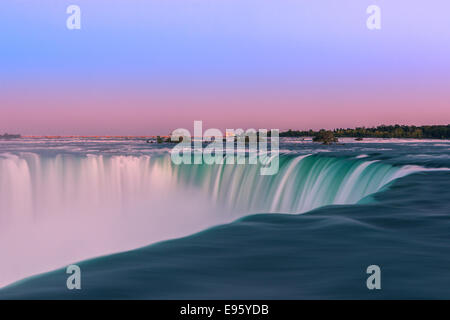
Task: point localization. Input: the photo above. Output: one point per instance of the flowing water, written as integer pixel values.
(307, 232)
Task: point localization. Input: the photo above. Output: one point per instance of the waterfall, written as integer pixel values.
(56, 210)
(303, 183)
(32, 186)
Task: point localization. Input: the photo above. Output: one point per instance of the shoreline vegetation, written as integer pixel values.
(322, 135)
(382, 131)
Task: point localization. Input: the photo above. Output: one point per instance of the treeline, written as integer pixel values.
(383, 131)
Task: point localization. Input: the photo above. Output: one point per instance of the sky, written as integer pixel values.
(146, 67)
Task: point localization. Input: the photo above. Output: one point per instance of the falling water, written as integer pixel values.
(56, 210)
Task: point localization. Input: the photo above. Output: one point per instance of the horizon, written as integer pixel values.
(223, 130)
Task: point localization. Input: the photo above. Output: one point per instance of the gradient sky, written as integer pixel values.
(143, 67)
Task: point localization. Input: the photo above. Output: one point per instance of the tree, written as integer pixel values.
(326, 137)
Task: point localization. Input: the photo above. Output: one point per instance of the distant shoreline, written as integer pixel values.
(154, 137)
(382, 131)
(440, 132)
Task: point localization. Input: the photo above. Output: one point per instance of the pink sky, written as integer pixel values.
(110, 111)
(148, 67)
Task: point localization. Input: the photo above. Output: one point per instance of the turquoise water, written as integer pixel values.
(308, 232)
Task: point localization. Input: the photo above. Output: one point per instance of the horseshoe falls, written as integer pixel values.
(35, 188)
(303, 183)
(121, 207)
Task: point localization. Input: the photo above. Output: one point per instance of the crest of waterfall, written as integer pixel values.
(32, 186)
(303, 182)
(59, 209)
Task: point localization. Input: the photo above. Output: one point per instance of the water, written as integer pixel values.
(308, 232)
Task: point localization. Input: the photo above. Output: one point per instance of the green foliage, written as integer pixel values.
(383, 131)
(326, 137)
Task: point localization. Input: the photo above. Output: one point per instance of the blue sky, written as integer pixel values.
(299, 46)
